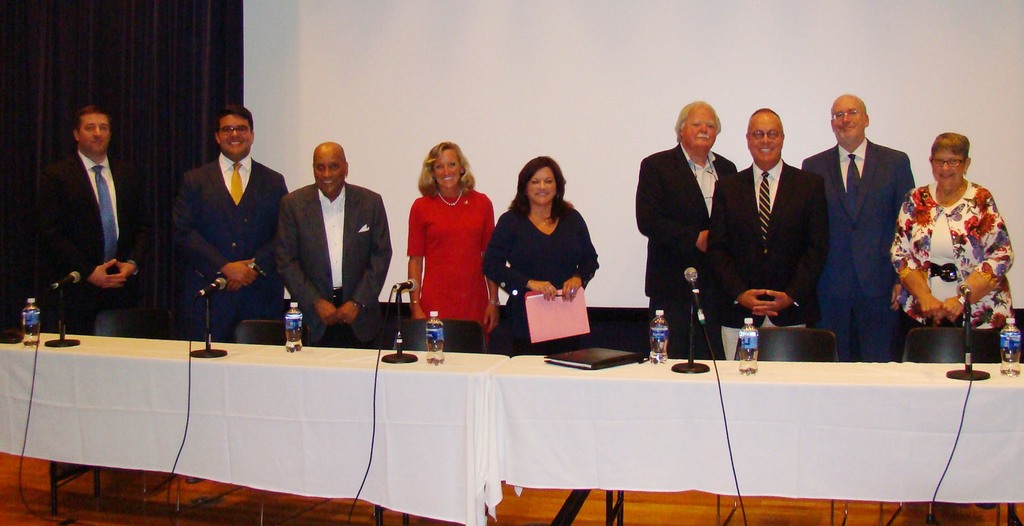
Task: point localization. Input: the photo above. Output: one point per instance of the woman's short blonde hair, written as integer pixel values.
(427, 184)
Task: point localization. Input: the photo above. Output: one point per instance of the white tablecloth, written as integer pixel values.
(261, 417)
(847, 431)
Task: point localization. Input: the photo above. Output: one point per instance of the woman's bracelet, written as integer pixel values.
(493, 302)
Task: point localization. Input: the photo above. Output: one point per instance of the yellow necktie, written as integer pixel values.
(236, 184)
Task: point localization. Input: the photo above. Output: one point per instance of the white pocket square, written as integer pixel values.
(365, 228)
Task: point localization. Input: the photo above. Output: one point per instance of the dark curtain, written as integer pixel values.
(162, 68)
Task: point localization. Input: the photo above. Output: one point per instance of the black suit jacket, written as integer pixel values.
(72, 232)
(860, 237)
(304, 260)
(670, 211)
(794, 255)
(212, 231)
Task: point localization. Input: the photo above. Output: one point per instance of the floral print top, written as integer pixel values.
(980, 242)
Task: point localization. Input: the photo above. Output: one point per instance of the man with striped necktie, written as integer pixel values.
(769, 236)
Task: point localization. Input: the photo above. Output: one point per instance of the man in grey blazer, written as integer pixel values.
(334, 249)
(858, 287)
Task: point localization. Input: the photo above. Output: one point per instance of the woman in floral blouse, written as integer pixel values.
(948, 233)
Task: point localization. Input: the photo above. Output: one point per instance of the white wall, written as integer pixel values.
(598, 84)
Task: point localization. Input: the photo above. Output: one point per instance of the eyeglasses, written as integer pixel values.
(952, 163)
(848, 113)
(228, 130)
(771, 134)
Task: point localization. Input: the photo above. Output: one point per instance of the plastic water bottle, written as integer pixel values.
(435, 339)
(293, 328)
(30, 323)
(1009, 347)
(746, 347)
(659, 337)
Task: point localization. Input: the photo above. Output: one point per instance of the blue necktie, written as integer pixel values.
(106, 215)
(852, 182)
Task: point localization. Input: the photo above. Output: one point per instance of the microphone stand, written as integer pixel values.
(689, 367)
(208, 352)
(968, 372)
(61, 325)
(399, 357)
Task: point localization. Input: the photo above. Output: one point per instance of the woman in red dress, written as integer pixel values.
(449, 228)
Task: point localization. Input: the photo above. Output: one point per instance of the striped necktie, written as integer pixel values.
(764, 207)
(106, 215)
(236, 184)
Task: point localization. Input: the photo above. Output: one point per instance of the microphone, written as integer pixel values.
(72, 278)
(218, 284)
(409, 285)
(691, 275)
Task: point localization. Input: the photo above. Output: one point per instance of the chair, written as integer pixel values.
(138, 322)
(262, 332)
(459, 336)
(796, 344)
(946, 345)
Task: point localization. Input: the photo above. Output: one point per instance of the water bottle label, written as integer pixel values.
(292, 323)
(32, 317)
(748, 341)
(435, 333)
(659, 334)
(1010, 341)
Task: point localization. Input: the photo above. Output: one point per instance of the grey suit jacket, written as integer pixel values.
(304, 261)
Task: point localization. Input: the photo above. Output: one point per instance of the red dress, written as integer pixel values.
(452, 241)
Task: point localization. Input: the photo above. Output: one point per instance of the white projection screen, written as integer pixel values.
(598, 85)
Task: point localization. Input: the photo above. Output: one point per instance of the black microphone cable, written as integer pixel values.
(24, 444)
(373, 432)
(930, 519)
(725, 421)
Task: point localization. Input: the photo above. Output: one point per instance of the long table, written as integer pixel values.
(261, 417)
(875, 432)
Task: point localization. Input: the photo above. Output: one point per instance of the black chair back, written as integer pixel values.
(946, 345)
(459, 336)
(261, 332)
(796, 344)
(140, 322)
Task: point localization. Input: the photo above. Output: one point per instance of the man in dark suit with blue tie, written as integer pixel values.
(334, 251)
(769, 236)
(865, 185)
(94, 222)
(225, 221)
(673, 207)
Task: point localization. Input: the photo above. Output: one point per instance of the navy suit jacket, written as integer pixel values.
(860, 237)
(670, 211)
(72, 232)
(212, 231)
(304, 260)
(795, 252)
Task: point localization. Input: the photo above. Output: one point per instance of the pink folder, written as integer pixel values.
(554, 319)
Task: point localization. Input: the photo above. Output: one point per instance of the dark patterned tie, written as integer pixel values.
(764, 207)
(852, 182)
(106, 215)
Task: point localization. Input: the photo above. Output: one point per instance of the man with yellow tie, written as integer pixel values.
(225, 220)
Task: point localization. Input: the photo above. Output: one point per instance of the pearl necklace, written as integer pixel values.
(443, 200)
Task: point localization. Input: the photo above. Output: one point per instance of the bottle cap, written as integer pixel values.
(33, 300)
(295, 304)
(659, 312)
(1011, 321)
(433, 314)
(748, 321)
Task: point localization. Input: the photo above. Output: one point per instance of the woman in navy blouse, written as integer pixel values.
(540, 244)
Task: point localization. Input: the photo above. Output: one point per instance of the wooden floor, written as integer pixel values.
(24, 499)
